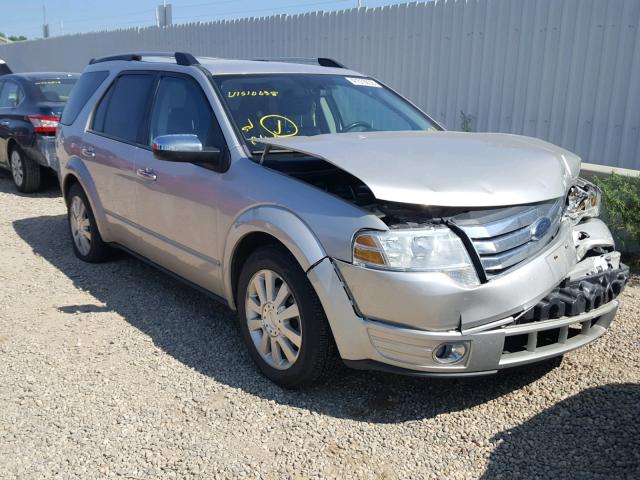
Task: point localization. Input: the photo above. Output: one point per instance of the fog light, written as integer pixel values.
(450, 352)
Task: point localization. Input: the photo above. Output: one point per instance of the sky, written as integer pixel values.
(25, 17)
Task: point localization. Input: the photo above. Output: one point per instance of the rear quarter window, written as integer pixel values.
(80, 93)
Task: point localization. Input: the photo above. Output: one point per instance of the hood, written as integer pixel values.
(451, 169)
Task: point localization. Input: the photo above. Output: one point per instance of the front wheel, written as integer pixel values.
(25, 172)
(282, 321)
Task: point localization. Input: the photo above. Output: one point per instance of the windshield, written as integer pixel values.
(288, 105)
(55, 89)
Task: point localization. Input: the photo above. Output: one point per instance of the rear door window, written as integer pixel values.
(122, 111)
(81, 92)
(11, 95)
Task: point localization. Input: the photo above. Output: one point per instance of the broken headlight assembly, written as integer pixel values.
(583, 201)
(429, 249)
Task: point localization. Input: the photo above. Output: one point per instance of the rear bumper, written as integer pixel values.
(43, 151)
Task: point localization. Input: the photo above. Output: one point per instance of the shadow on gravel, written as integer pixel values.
(202, 334)
(50, 187)
(591, 435)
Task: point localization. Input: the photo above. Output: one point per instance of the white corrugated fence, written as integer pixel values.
(567, 71)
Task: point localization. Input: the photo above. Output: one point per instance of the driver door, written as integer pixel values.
(176, 202)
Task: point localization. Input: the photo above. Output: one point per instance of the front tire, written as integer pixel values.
(282, 321)
(25, 172)
(85, 237)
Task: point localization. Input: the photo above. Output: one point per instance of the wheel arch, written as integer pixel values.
(11, 143)
(267, 225)
(77, 173)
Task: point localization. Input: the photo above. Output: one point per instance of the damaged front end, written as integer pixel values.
(469, 290)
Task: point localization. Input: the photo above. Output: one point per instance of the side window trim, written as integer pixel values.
(108, 91)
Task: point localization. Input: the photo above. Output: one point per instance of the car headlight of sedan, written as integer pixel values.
(583, 201)
(431, 249)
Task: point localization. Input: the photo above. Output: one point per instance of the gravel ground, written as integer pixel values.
(116, 370)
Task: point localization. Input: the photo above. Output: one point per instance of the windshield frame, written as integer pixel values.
(257, 153)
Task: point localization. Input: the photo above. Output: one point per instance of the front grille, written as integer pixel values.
(544, 339)
(503, 238)
(535, 340)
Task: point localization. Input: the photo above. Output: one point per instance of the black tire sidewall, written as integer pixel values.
(314, 347)
(31, 173)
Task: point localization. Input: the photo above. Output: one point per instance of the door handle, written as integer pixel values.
(146, 173)
(5, 123)
(88, 152)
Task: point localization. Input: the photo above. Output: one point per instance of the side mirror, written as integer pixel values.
(184, 148)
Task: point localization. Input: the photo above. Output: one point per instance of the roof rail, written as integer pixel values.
(182, 58)
(322, 61)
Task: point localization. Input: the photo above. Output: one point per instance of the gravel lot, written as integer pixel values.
(116, 370)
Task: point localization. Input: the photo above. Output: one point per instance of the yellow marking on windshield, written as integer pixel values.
(248, 127)
(279, 126)
(252, 93)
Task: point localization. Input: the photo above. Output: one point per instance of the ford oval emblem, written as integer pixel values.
(539, 228)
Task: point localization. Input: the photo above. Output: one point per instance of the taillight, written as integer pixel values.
(44, 123)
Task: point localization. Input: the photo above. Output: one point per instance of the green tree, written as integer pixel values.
(621, 197)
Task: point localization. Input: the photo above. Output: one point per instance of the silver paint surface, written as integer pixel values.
(451, 169)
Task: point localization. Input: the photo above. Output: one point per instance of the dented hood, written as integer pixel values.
(452, 169)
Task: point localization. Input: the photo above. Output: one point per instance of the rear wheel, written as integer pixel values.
(282, 321)
(24, 171)
(87, 242)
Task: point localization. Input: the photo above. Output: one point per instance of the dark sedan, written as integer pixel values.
(30, 108)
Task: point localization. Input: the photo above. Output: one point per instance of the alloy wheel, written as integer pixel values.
(80, 225)
(17, 170)
(273, 319)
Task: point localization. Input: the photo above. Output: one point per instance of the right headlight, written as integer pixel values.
(430, 249)
(583, 201)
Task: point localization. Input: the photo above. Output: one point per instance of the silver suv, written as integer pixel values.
(336, 217)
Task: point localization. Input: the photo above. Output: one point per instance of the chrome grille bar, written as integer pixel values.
(503, 238)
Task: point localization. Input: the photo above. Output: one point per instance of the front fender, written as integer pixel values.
(75, 167)
(281, 224)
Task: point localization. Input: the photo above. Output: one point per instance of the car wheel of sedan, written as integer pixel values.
(87, 242)
(24, 171)
(282, 320)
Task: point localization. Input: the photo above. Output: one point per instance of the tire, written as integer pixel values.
(85, 237)
(25, 172)
(315, 354)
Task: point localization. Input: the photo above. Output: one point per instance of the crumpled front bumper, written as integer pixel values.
(397, 320)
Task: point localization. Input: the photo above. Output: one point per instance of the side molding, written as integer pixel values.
(281, 224)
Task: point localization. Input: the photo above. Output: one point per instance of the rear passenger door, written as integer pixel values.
(115, 144)
(176, 203)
